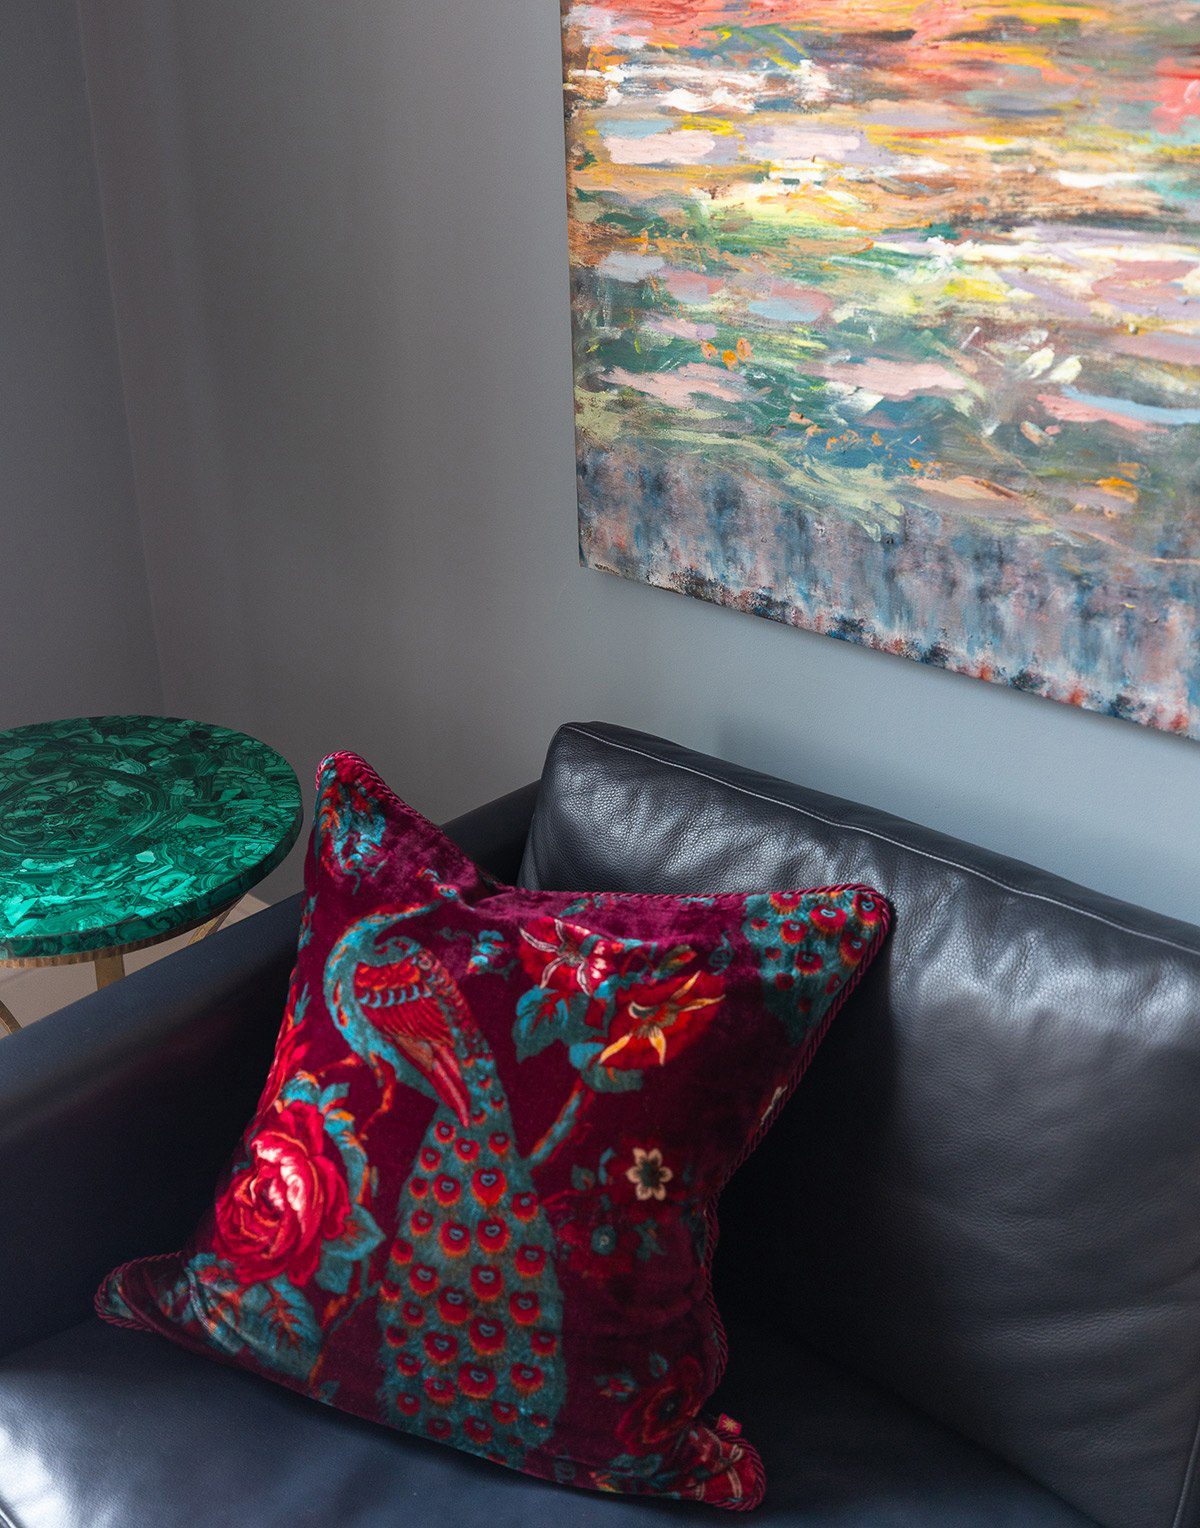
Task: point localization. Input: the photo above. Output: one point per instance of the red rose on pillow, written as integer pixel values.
(277, 1211)
(497, 1120)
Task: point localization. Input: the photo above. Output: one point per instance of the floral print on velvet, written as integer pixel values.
(477, 1198)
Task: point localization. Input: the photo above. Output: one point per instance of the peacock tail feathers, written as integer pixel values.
(470, 1308)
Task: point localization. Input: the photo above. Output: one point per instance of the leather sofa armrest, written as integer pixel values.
(117, 1113)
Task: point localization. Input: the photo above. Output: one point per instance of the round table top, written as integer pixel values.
(121, 830)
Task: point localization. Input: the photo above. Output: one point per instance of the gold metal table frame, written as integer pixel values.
(110, 961)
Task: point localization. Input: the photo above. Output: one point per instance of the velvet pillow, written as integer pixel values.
(477, 1199)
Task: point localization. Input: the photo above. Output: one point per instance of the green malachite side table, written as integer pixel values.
(117, 832)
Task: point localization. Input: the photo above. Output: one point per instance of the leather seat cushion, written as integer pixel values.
(101, 1428)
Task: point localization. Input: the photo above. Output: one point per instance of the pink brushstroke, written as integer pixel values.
(1074, 411)
(1178, 95)
(678, 388)
(895, 379)
(1175, 349)
(680, 328)
(691, 286)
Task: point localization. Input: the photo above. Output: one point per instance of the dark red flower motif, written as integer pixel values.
(454, 1239)
(808, 962)
(429, 1158)
(786, 901)
(499, 1142)
(851, 948)
(486, 1282)
(418, 1187)
(414, 1314)
(477, 1381)
(657, 1019)
(493, 1235)
(792, 930)
(466, 1150)
(408, 1405)
(657, 1415)
(524, 1206)
(564, 957)
(487, 1337)
(829, 920)
(867, 908)
(504, 1412)
(277, 1212)
(440, 1391)
(488, 1185)
(422, 1279)
(409, 1364)
(420, 1222)
(524, 1308)
(544, 1344)
(527, 1378)
(478, 1431)
(530, 1261)
(447, 1190)
(453, 1306)
(402, 1253)
(439, 1428)
(440, 1347)
(444, 1131)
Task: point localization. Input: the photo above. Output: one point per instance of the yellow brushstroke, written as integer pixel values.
(977, 289)
(720, 127)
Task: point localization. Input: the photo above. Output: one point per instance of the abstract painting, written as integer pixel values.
(887, 325)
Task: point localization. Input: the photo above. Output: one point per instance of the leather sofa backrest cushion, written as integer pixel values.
(987, 1196)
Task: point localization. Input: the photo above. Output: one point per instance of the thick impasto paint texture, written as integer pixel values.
(887, 321)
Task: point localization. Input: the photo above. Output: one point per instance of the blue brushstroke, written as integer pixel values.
(1149, 413)
(784, 310)
(638, 127)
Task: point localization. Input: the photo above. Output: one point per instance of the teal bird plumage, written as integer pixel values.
(470, 1310)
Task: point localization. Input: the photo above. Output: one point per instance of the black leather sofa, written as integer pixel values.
(962, 1277)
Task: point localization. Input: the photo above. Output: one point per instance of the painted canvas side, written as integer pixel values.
(887, 324)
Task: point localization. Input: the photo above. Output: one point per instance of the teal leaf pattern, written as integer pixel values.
(277, 1319)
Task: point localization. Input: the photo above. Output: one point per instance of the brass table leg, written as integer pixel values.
(109, 969)
(212, 925)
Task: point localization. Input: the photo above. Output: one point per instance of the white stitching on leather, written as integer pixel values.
(832, 822)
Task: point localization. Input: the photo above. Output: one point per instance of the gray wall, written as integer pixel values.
(338, 242)
(75, 624)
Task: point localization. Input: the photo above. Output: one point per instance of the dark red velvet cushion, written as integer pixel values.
(477, 1199)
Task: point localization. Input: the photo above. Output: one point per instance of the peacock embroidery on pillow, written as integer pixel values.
(486, 1158)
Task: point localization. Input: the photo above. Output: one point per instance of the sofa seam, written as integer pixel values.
(832, 822)
(1185, 1488)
